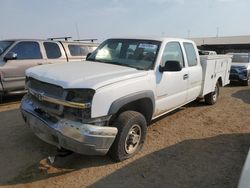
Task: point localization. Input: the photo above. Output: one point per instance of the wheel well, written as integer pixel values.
(143, 106)
(220, 81)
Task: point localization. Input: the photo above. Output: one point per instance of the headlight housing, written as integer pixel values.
(243, 72)
(79, 96)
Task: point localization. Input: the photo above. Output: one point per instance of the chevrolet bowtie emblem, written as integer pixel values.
(40, 96)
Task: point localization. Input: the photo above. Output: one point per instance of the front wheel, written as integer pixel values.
(132, 128)
(211, 98)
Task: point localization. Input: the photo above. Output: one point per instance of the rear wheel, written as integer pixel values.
(247, 82)
(132, 128)
(1, 98)
(211, 98)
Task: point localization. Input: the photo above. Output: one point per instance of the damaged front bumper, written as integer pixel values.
(75, 136)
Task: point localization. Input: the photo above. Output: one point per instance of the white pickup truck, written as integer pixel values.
(105, 104)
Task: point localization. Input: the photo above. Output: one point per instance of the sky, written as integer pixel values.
(118, 18)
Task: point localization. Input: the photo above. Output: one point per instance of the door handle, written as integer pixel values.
(185, 76)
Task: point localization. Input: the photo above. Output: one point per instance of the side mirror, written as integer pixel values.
(10, 56)
(89, 54)
(171, 66)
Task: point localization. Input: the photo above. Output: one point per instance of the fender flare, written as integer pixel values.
(119, 103)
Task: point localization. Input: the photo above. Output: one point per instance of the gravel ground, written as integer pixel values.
(195, 146)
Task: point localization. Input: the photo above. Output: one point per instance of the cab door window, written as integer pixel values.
(191, 55)
(52, 50)
(173, 52)
(27, 50)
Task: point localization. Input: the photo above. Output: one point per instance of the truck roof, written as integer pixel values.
(48, 40)
(155, 38)
(161, 39)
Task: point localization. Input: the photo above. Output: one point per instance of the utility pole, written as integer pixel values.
(188, 33)
(217, 32)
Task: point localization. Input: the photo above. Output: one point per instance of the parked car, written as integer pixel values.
(18, 55)
(240, 70)
(105, 104)
(205, 52)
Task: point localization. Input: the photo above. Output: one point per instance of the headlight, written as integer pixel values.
(79, 96)
(244, 72)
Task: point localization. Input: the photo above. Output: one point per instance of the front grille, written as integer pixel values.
(58, 92)
(46, 88)
(233, 71)
(233, 77)
(47, 106)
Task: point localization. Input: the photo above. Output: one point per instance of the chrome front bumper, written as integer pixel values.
(75, 136)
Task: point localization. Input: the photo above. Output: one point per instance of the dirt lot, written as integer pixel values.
(195, 146)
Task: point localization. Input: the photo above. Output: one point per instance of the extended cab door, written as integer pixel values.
(54, 52)
(28, 54)
(172, 86)
(194, 71)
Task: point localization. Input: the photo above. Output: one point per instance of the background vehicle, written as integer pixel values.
(18, 55)
(240, 69)
(205, 52)
(105, 104)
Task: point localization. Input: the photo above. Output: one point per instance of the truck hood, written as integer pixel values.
(83, 74)
(246, 65)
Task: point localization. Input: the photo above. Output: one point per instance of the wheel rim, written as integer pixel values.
(133, 139)
(215, 93)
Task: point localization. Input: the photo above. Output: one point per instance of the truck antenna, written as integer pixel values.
(77, 31)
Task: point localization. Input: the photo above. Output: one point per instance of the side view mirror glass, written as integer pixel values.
(10, 56)
(171, 66)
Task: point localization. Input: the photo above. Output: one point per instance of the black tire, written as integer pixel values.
(247, 82)
(1, 98)
(211, 98)
(125, 122)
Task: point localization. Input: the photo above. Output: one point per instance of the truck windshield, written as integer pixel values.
(139, 54)
(240, 58)
(4, 45)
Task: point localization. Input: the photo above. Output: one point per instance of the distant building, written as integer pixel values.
(224, 44)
